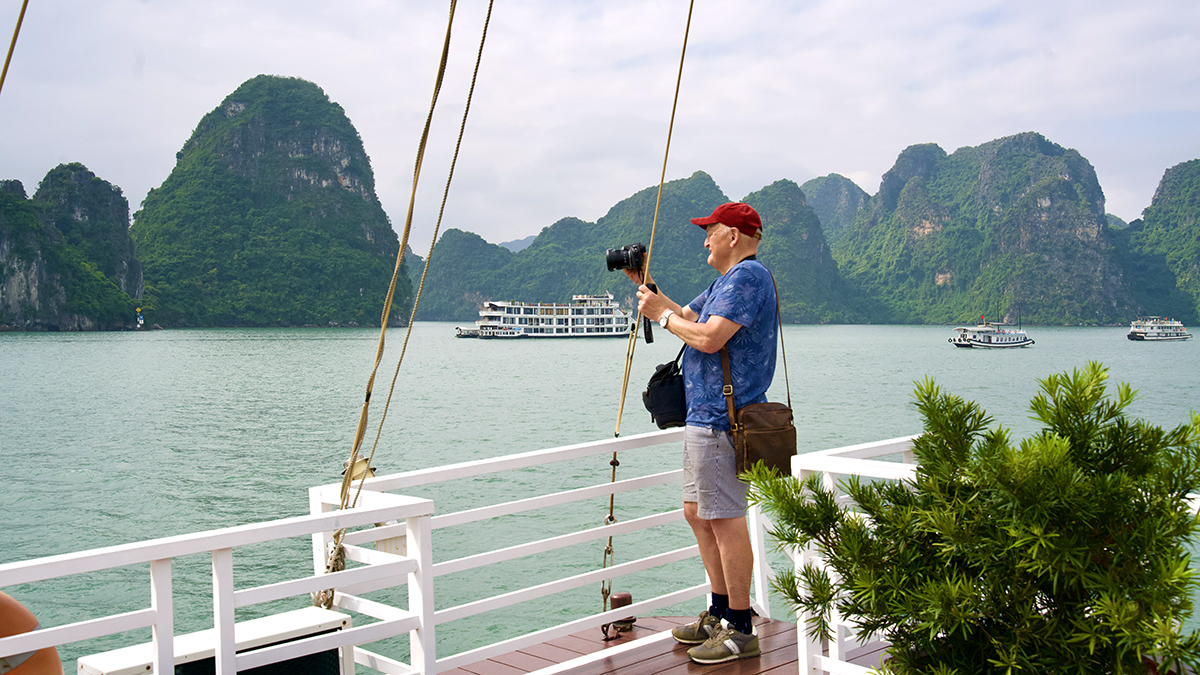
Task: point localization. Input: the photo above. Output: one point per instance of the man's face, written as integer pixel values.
(718, 240)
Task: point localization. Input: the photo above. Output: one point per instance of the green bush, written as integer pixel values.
(1065, 553)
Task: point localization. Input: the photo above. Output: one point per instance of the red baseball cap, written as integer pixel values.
(735, 214)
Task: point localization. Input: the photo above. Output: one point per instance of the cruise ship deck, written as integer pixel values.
(777, 639)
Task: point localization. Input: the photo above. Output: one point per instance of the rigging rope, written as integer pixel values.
(12, 45)
(336, 555)
(606, 585)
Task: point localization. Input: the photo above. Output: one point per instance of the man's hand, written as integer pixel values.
(651, 304)
(636, 276)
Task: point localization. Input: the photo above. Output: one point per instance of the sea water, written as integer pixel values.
(109, 438)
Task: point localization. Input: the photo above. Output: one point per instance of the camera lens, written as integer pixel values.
(617, 258)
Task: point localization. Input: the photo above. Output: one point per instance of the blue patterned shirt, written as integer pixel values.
(745, 295)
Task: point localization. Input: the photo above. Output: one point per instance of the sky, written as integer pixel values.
(573, 103)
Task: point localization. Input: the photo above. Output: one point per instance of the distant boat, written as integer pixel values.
(990, 335)
(584, 316)
(1156, 328)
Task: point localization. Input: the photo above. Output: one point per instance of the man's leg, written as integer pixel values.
(737, 559)
(710, 551)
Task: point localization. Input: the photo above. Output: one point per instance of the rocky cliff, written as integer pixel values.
(568, 257)
(66, 259)
(836, 201)
(1161, 250)
(270, 218)
(1014, 225)
(92, 216)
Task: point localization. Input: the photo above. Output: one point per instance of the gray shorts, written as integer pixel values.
(710, 474)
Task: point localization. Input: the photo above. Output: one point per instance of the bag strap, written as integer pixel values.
(727, 390)
(782, 348)
(679, 356)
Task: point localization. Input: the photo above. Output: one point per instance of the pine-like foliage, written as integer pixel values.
(1064, 553)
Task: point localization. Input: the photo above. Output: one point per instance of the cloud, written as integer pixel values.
(574, 98)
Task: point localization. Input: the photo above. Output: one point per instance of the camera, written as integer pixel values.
(632, 257)
(629, 257)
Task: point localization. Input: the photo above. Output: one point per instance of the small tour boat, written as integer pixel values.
(1157, 328)
(990, 336)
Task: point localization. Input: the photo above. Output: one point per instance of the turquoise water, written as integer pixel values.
(108, 438)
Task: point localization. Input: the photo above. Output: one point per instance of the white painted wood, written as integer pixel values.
(162, 635)
(378, 610)
(225, 656)
(138, 659)
(72, 632)
(562, 541)
(371, 557)
(758, 523)
(376, 534)
(861, 467)
(322, 643)
(397, 481)
(593, 621)
(556, 499)
(833, 667)
(382, 571)
(807, 649)
(560, 585)
(882, 448)
(320, 540)
(27, 571)
(422, 646)
(382, 663)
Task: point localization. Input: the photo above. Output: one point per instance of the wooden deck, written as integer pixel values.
(777, 640)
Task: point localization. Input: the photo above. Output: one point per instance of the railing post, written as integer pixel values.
(423, 649)
(163, 630)
(223, 619)
(320, 540)
(808, 649)
(762, 567)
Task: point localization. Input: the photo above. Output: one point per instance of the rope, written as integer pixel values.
(360, 432)
(337, 555)
(429, 258)
(606, 585)
(13, 45)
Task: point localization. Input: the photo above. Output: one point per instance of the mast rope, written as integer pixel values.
(13, 45)
(606, 585)
(336, 560)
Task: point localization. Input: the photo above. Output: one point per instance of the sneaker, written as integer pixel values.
(726, 644)
(697, 632)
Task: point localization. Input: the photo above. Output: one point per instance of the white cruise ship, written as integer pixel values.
(1157, 328)
(584, 316)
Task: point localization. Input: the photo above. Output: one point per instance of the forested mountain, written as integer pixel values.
(66, 259)
(1161, 251)
(569, 256)
(836, 200)
(1017, 224)
(269, 218)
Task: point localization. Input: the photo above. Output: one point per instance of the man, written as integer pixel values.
(737, 311)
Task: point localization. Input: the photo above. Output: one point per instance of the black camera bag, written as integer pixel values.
(664, 396)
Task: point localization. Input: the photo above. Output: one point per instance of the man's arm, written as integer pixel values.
(707, 337)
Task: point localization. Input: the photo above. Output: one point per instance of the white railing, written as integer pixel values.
(392, 537)
(381, 568)
(863, 461)
(402, 534)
